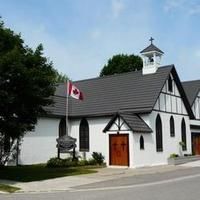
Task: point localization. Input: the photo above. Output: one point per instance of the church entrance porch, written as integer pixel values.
(119, 149)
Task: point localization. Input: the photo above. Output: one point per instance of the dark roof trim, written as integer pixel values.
(162, 88)
(147, 129)
(181, 90)
(195, 97)
(110, 123)
(92, 115)
(51, 115)
(192, 88)
(150, 48)
(183, 94)
(195, 127)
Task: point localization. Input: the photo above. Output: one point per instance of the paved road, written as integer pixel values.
(176, 185)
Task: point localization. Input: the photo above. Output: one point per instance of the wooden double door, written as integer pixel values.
(119, 149)
(196, 143)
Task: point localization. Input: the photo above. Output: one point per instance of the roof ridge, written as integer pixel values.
(191, 81)
(120, 74)
(150, 48)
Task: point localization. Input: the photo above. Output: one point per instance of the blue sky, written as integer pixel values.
(79, 36)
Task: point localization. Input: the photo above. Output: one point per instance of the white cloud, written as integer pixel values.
(189, 7)
(117, 8)
(194, 10)
(173, 4)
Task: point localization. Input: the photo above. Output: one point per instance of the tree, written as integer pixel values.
(122, 63)
(60, 77)
(27, 80)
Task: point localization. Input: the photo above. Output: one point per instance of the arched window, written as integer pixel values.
(159, 142)
(141, 142)
(170, 88)
(183, 135)
(62, 127)
(84, 135)
(172, 128)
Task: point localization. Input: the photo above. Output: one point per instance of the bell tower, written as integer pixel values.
(151, 57)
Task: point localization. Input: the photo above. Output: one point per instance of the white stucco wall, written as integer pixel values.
(149, 156)
(98, 141)
(40, 145)
(168, 104)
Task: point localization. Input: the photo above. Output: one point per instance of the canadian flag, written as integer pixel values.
(74, 92)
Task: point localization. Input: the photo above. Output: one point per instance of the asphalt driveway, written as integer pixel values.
(110, 176)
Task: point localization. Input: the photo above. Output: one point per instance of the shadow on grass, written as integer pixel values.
(30, 173)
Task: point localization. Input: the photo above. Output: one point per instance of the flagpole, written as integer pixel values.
(67, 110)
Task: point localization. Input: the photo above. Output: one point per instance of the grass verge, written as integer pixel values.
(8, 188)
(29, 173)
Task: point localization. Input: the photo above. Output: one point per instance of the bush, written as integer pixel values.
(92, 161)
(82, 162)
(173, 155)
(98, 157)
(54, 162)
(57, 162)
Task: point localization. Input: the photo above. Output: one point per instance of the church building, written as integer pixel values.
(134, 119)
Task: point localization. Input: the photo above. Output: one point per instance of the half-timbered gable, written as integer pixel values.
(192, 89)
(171, 99)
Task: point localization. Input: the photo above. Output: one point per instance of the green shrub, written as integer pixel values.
(173, 155)
(98, 157)
(82, 162)
(57, 162)
(54, 162)
(92, 161)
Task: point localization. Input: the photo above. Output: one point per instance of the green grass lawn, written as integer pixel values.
(8, 188)
(29, 173)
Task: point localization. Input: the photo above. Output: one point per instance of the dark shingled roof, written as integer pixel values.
(58, 108)
(124, 92)
(133, 121)
(192, 89)
(104, 96)
(151, 47)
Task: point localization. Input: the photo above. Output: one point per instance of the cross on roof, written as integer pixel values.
(151, 40)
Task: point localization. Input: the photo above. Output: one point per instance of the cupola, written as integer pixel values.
(151, 57)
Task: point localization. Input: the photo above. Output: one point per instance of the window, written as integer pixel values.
(172, 128)
(84, 135)
(183, 135)
(62, 127)
(141, 142)
(159, 142)
(170, 88)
